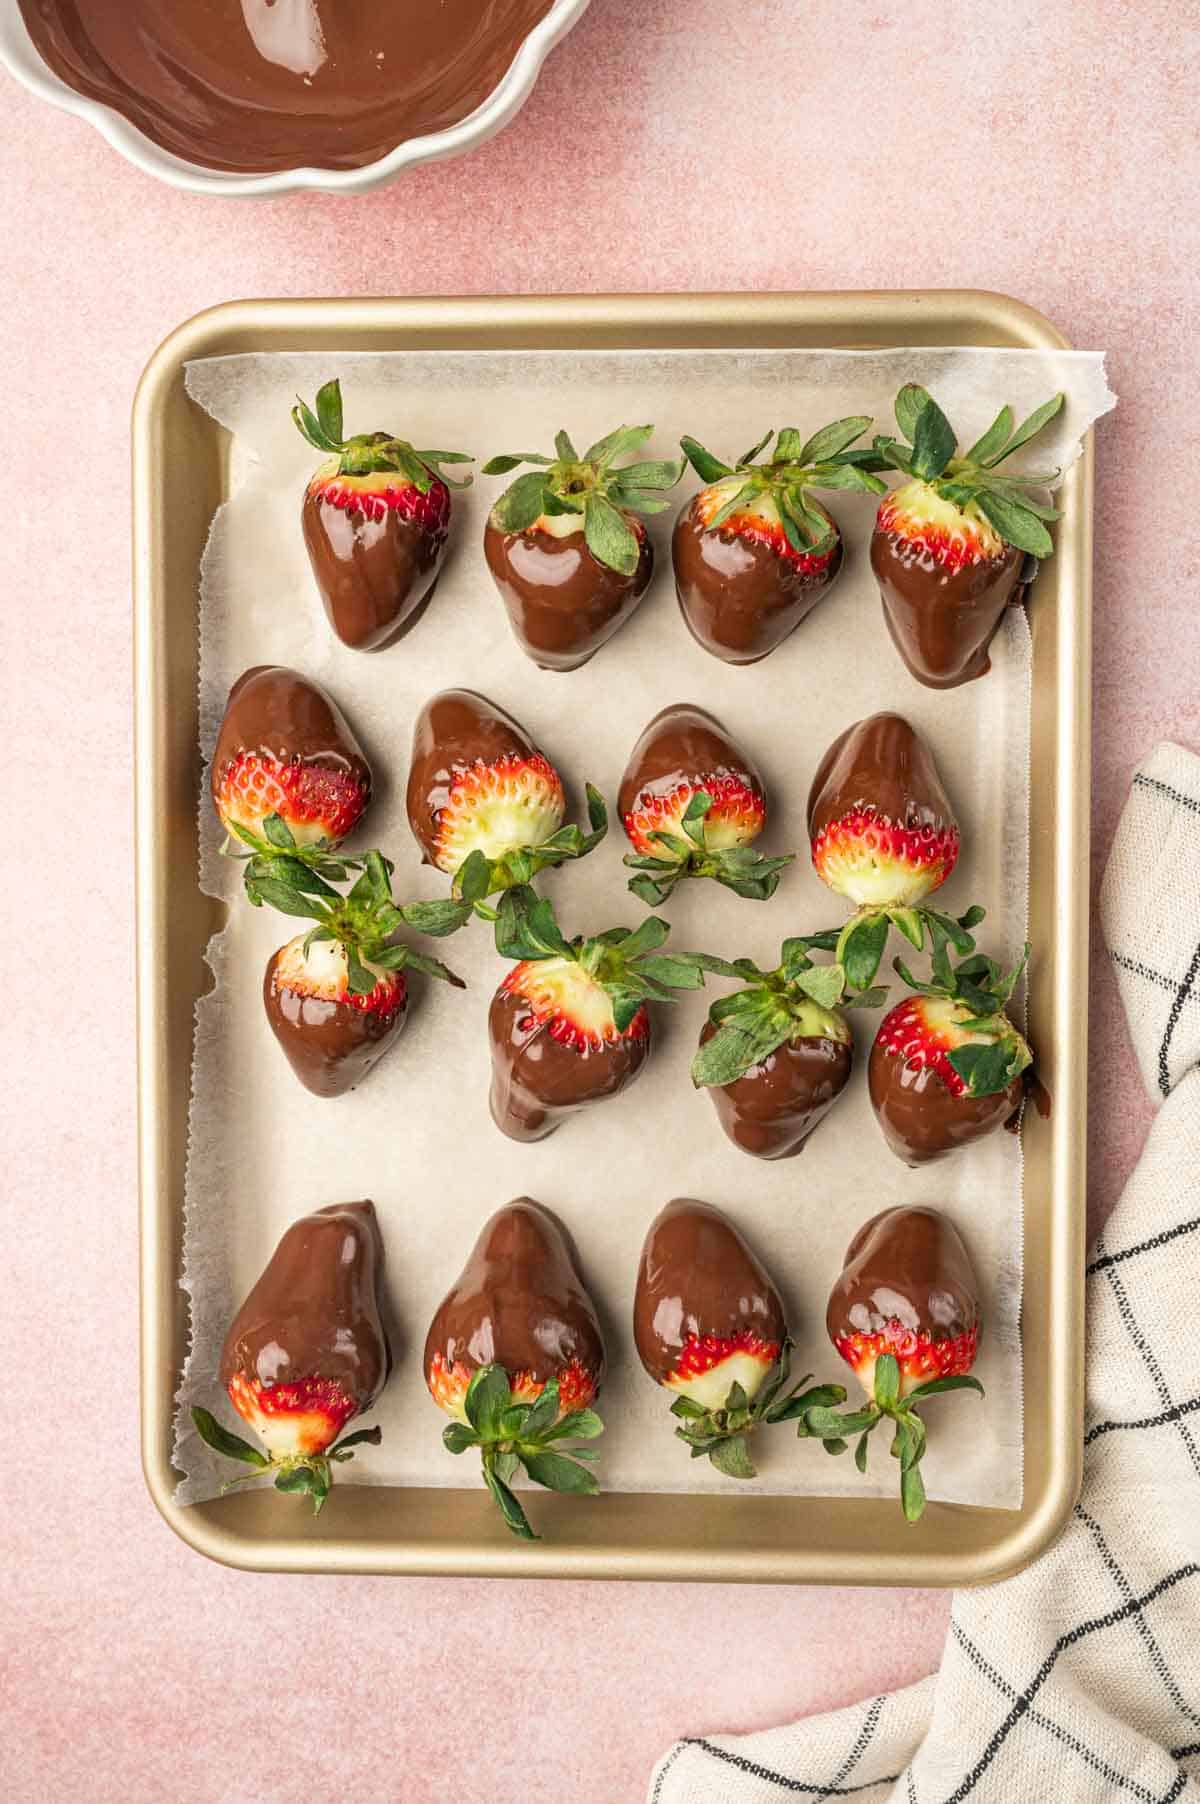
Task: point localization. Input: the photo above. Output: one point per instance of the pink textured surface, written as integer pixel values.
(1057, 161)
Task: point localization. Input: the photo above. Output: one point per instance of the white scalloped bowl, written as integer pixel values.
(20, 57)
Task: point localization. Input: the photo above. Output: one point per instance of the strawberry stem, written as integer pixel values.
(367, 453)
(309, 1474)
(513, 1435)
(887, 1403)
(721, 1434)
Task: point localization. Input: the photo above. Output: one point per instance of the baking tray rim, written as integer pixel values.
(230, 1530)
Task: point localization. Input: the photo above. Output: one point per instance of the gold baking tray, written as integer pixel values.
(179, 479)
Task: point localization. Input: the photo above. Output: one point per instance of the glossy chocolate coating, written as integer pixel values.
(921, 1119)
(880, 763)
(520, 1302)
(562, 604)
(537, 1081)
(910, 1266)
(683, 745)
(698, 1276)
(315, 1312)
(255, 85)
(942, 621)
(739, 598)
(772, 1109)
(453, 731)
(330, 1046)
(375, 575)
(283, 716)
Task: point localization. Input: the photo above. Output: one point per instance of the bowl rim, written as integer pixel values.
(20, 56)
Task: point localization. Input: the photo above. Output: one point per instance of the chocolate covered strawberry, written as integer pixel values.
(692, 803)
(710, 1328)
(566, 547)
(946, 1066)
(287, 772)
(336, 996)
(957, 543)
(307, 1353)
(376, 518)
(776, 1055)
(485, 805)
(515, 1355)
(756, 550)
(904, 1315)
(883, 836)
(570, 1024)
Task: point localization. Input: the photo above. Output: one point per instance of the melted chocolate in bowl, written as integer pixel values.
(251, 86)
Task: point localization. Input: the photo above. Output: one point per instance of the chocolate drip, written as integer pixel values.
(281, 715)
(538, 1080)
(698, 1276)
(375, 575)
(258, 85)
(942, 621)
(880, 763)
(772, 1109)
(908, 1266)
(739, 598)
(315, 1311)
(921, 1118)
(454, 731)
(520, 1302)
(683, 746)
(562, 604)
(330, 1046)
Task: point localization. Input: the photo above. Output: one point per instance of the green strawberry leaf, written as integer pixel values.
(500, 466)
(222, 1441)
(507, 1504)
(887, 1381)
(824, 983)
(609, 539)
(825, 445)
(488, 1396)
(732, 1457)
(993, 440)
(1039, 418)
(520, 506)
(986, 1070)
(558, 1473)
(933, 1386)
(933, 443)
(457, 1437)
(910, 403)
(1017, 524)
(707, 467)
(437, 919)
(912, 1493)
(861, 948)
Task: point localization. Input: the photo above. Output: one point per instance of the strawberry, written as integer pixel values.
(485, 805)
(691, 803)
(307, 1352)
(287, 767)
(883, 835)
(515, 1356)
(776, 1054)
(709, 1327)
(570, 1025)
(565, 546)
(376, 519)
(755, 551)
(904, 1315)
(958, 542)
(336, 997)
(946, 1066)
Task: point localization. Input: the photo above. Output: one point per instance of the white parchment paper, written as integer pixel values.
(417, 1136)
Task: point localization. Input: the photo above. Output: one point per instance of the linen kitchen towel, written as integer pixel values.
(1080, 1678)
